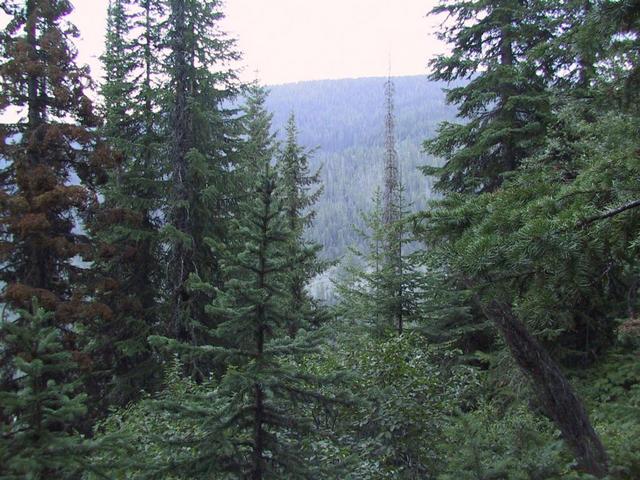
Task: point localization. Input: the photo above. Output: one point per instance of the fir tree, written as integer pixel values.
(265, 386)
(259, 142)
(508, 106)
(375, 290)
(47, 155)
(200, 154)
(126, 226)
(505, 100)
(37, 438)
(258, 416)
(301, 191)
(392, 207)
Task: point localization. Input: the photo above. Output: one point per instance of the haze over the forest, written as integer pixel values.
(342, 121)
(287, 41)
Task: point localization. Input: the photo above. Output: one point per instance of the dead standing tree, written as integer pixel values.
(392, 208)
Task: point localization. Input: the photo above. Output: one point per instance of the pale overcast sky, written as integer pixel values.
(294, 40)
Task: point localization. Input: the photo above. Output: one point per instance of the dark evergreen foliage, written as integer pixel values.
(200, 151)
(258, 416)
(52, 162)
(125, 228)
(505, 103)
(158, 316)
(301, 190)
(377, 291)
(37, 437)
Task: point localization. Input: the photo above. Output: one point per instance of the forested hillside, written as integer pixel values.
(158, 242)
(344, 120)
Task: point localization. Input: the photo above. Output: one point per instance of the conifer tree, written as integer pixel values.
(507, 104)
(200, 154)
(258, 420)
(53, 161)
(505, 100)
(53, 147)
(392, 208)
(384, 285)
(301, 191)
(259, 141)
(126, 226)
(37, 439)
(376, 291)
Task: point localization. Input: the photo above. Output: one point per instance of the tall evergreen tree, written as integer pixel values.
(301, 191)
(392, 208)
(383, 284)
(46, 154)
(200, 154)
(126, 226)
(258, 418)
(259, 141)
(53, 160)
(505, 100)
(508, 104)
(375, 290)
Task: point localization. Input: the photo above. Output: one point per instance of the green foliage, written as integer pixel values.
(612, 389)
(38, 439)
(127, 253)
(301, 191)
(201, 246)
(199, 157)
(498, 441)
(374, 290)
(505, 102)
(257, 413)
(158, 440)
(487, 443)
(538, 215)
(407, 392)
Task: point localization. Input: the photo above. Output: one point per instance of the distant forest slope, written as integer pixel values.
(344, 119)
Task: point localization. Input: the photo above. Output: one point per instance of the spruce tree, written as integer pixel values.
(125, 228)
(37, 440)
(504, 101)
(53, 161)
(392, 207)
(507, 103)
(258, 420)
(375, 291)
(200, 159)
(301, 191)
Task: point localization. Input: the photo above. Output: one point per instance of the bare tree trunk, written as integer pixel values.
(392, 208)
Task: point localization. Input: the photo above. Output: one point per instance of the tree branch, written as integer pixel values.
(609, 213)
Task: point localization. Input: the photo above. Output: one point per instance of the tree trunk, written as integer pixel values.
(258, 447)
(180, 264)
(258, 431)
(558, 397)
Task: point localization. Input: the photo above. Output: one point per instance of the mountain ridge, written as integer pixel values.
(342, 121)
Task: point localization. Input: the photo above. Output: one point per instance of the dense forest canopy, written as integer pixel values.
(161, 228)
